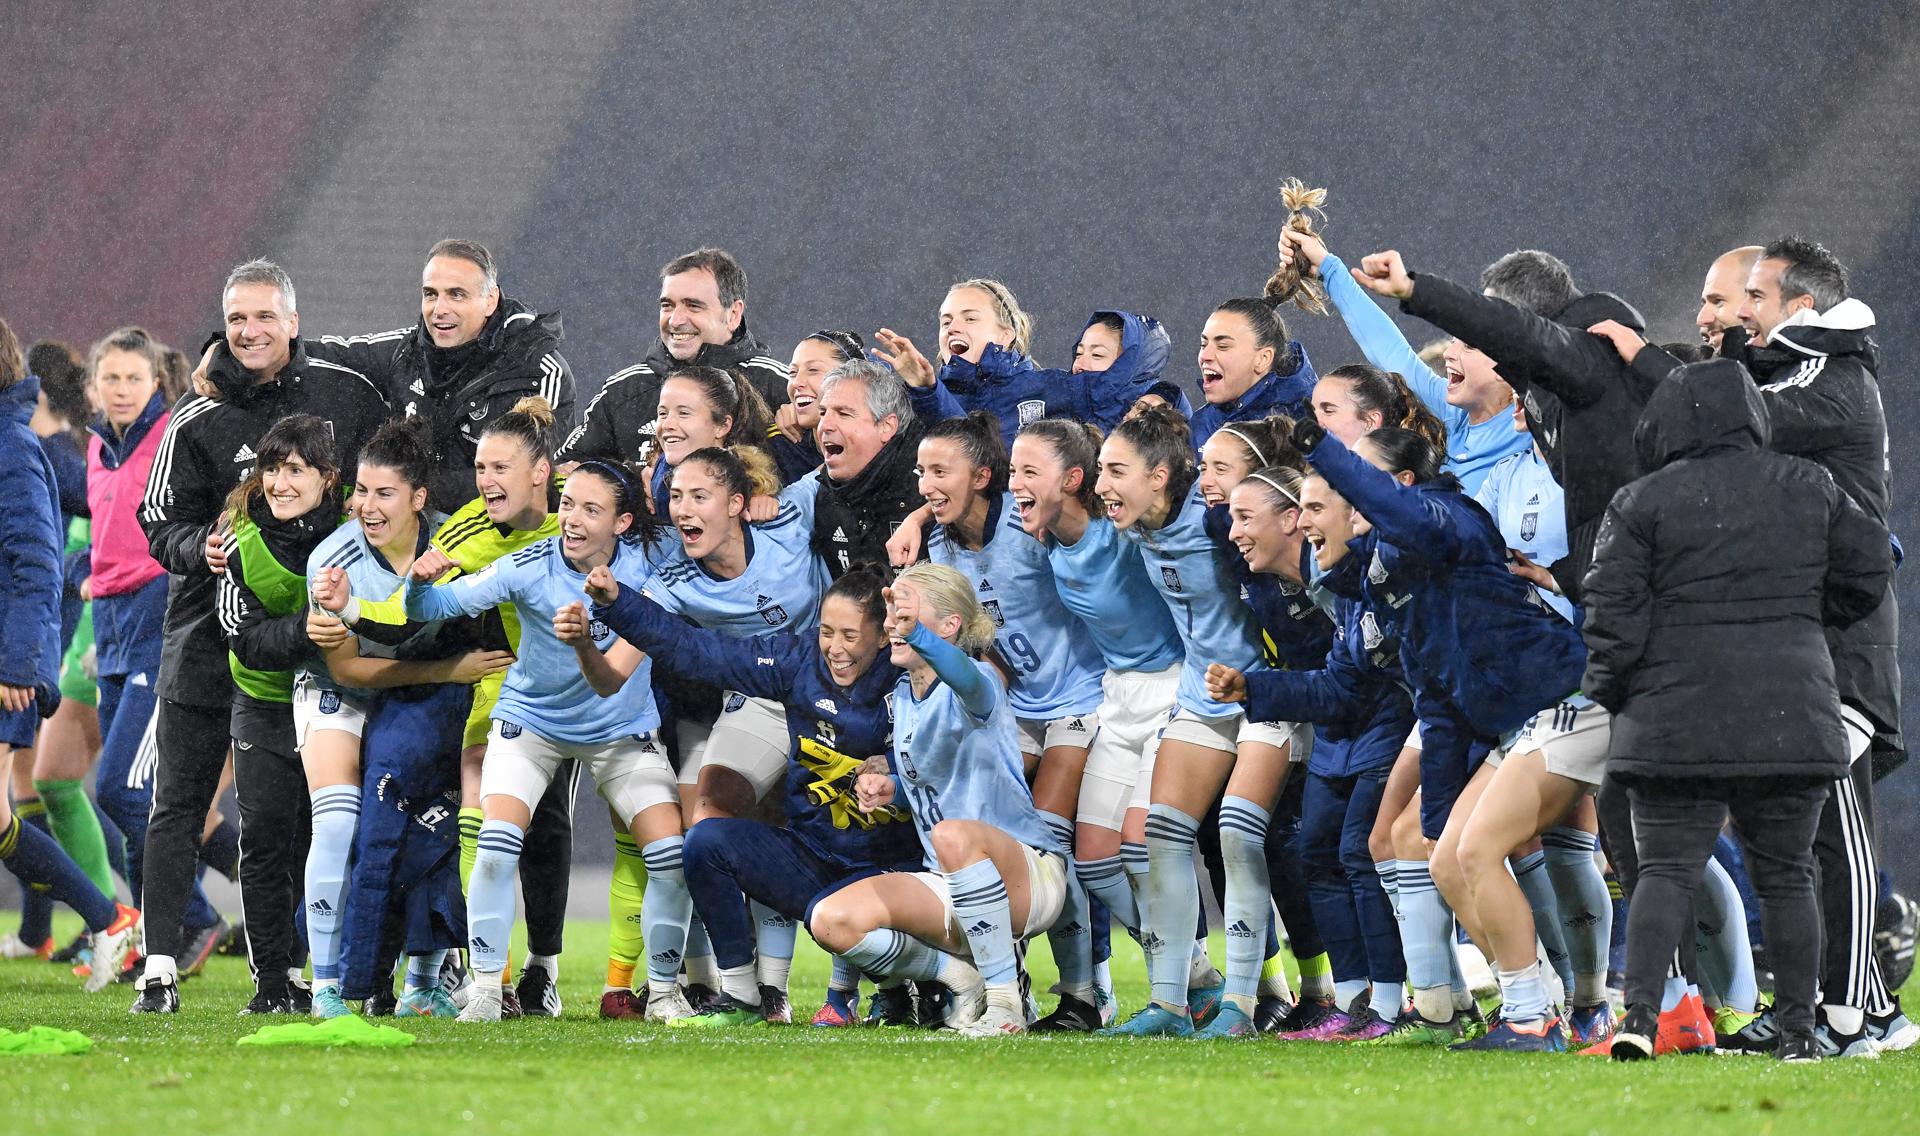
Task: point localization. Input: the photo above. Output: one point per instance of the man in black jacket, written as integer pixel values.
(1581, 399)
(1808, 346)
(1710, 587)
(261, 372)
(869, 445)
(703, 322)
(474, 353)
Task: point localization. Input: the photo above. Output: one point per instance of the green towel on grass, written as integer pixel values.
(350, 1030)
(42, 1041)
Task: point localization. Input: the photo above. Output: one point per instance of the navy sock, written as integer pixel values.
(37, 859)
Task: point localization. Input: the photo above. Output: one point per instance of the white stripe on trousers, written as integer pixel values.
(1866, 988)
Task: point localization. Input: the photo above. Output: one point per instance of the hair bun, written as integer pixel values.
(536, 408)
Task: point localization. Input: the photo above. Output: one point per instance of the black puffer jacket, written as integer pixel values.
(1818, 378)
(1714, 577)
(461, 389)
(207, 450)
(1581, 399)
(619, 422)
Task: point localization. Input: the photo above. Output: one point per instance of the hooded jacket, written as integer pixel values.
(1477, 643)
(207, 449)
(1581, 399)
(1290, 394)
(461, 389)
(1005, 383)
(618, 423)
(1712, 581)
(1104, 397)
(30, 548)
(117, 466)
(1817, 377)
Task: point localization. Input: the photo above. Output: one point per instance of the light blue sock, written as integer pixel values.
(664, 912)
(890, 954)
(1243, 856)
(1523, 994)
(698, 956)
(1586, 911)
(1346, 991)
(1389, 873)
(1106, 880)
(1726, 955)
(1674, 990)
(1071, 940)
(490, 896)
(774, 936)
(423, 971)
(980, 906)
(1133, 861)
(336, 814)
(1389, 1000)
(1426, 929)
(1173, 901)
(1530, 872)
(846, 976)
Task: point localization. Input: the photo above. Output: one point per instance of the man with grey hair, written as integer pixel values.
(867, 484)
(474, 353)
(259, 372)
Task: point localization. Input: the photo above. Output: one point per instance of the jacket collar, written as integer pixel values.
(114, 448)
(21, 399)
(726, 356)
(238, 385)
(1840, 330)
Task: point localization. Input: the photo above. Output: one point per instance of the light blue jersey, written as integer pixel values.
(1102, 579)
(544, 690)
(956, 752)
(779, 591)
(369, 577)
(1057, 668)
(1197, 584)
(1473, 448)
(1530, 508)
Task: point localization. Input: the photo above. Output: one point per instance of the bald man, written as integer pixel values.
(1721, 294)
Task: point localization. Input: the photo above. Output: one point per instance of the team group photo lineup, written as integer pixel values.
(929, 652)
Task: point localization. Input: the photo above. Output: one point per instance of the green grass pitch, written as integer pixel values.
(581, 1076)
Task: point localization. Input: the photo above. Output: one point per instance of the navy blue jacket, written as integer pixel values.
(1104, 397)
(1472, 634)
(1291, 395)
(834, 728)
(31, 544)
(1004, 383)
(1356, 696)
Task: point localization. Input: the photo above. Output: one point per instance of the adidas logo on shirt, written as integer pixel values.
(1534, 500)
(840, 535)
(140, 679)
(827, 705)
(245, 454)
(417, 388)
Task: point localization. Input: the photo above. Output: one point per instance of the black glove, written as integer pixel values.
(1307, 434)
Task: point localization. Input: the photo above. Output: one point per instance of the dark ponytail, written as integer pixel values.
(1162, 438)
(978, 437)
(1269, 440)
(405, 446)
(1405, 451)
(1077, 445)
(1387, 393)
(1269, 330)
(863, 585)
(729, 396)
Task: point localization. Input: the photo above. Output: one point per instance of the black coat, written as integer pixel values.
(619, 422)
(853, 519)
(207, 450)
(1818, 379)
(1581, 400)
(1712, 583)
(459, 391)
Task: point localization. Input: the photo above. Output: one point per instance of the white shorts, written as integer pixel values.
(317, 708)
(750, 737)
(1134, 706)
(631, 772)
(1228, 734)
(1573, 739)
(1074, 731)
(1046, 891)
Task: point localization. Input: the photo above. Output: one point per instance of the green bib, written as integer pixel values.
(281, 592)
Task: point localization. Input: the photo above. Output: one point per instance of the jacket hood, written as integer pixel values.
(1144, 349)
(19, 400)
(1275, 392)
(997, 365)
(1840, 330)
(235, 383)
(1593, 307)
(1702, 408)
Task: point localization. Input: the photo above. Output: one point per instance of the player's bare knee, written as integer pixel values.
(955, 845)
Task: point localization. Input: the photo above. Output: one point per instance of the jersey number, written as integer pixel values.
(1020, 653)
(925, 804)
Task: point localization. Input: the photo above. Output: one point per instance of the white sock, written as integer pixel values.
(548, 963)
(161, 968)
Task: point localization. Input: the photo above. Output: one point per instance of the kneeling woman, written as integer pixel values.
(836, 689)
(584, 697)
(997, 874)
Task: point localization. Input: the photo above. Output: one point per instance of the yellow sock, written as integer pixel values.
(1313, 966)
(625, 892)
(469, 844)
